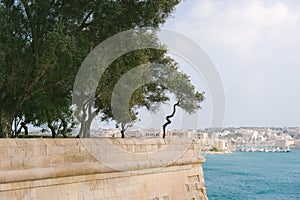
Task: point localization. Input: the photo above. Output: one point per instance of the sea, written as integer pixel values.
(253, 175)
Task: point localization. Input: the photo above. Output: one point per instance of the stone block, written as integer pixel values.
(8, 143)
(71, 149)
(40, 150)
(37, 161)
(56, 160)
(4, 152)
(19, 152)
(16, 163)
(73, 158)
(66, 141)
(5, 163)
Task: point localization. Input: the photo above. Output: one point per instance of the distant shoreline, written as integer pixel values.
(218, 152)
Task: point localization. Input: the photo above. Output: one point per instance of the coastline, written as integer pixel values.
(218, 152)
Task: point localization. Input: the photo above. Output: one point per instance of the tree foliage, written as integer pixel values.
(146, 95)
(179, 85)
(42, 44)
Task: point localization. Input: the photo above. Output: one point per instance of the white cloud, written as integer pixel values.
(241, 26)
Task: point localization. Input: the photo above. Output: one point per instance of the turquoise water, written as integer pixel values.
(256, 175)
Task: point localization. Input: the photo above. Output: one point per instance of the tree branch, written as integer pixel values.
(168, 117)
(37, 71)
(84, 23)
(33, 32)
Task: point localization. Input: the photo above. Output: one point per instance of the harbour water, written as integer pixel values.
(253, 175)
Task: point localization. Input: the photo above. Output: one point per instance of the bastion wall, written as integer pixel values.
(102, 168)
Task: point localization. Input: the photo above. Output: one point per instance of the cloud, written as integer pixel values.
(242, 26)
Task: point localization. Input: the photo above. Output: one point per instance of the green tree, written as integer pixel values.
(50, 105)
(164, 79)
(145, 96)
(179, 85)
(27, 39)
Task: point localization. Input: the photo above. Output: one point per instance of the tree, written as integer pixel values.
(125, 86)
(123, 68)
(178, 84)
(27, 29)
(42, 110)
(50, 105)
(164, 79)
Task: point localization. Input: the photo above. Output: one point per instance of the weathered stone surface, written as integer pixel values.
(101, 168)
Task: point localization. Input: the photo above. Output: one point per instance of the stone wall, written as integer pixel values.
(118, 169)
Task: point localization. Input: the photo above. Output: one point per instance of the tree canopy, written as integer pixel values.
(43, 44)
(40, 39)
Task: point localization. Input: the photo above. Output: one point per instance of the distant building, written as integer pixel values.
(197, 135)
(297, 143)
(105, 132)
(134, 133)
(200, 136)
(177, 134)
(282, 143)
(143, 132)
(220, 145)
(151, 132)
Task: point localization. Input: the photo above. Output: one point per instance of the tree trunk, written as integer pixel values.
(52, 130)
(123, 129)
(168, 117)
(6, 121)
(85, 129)
(65, 127)
(16, 124)
(83, 120)
(86, 120)
(23, 126)
(82, 128)
(122, 133)
(88, 128)
(88, 123)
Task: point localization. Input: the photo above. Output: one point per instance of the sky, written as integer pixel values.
(255, 46)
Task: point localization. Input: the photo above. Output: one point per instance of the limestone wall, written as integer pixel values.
(117, 169)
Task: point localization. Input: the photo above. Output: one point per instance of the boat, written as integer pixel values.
(268, 150)
(263, 149)
(278, 149)
(287, 150)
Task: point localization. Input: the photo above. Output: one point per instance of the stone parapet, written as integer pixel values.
(102, 168)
